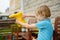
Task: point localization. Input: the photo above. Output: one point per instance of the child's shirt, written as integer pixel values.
(45, 29)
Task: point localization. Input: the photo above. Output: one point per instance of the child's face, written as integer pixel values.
(40, 14)
(40, 17)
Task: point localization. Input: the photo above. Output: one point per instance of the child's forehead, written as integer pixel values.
(38, 10)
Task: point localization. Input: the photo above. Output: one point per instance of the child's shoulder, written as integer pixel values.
(44, 22)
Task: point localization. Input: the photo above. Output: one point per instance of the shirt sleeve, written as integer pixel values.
(41, 25)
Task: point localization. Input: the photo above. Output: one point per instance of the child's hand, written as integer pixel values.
(23, 16)
(18, 22)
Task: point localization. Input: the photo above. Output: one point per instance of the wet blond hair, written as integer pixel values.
(45, 9)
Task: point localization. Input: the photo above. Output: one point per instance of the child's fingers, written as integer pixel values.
(17, 22)
(23, 16)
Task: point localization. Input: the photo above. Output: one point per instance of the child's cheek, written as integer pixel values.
(39, 18)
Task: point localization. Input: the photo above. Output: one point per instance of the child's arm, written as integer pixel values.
(25, 24)
(28, 15)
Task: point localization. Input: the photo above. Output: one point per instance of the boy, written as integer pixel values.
(44, 26)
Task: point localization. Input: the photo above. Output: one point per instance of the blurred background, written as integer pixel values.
(8, 7)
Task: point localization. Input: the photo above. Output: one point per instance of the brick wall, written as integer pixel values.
(14, 5)
(54, 5)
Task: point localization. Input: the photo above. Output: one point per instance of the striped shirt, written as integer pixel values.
(45, 29)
